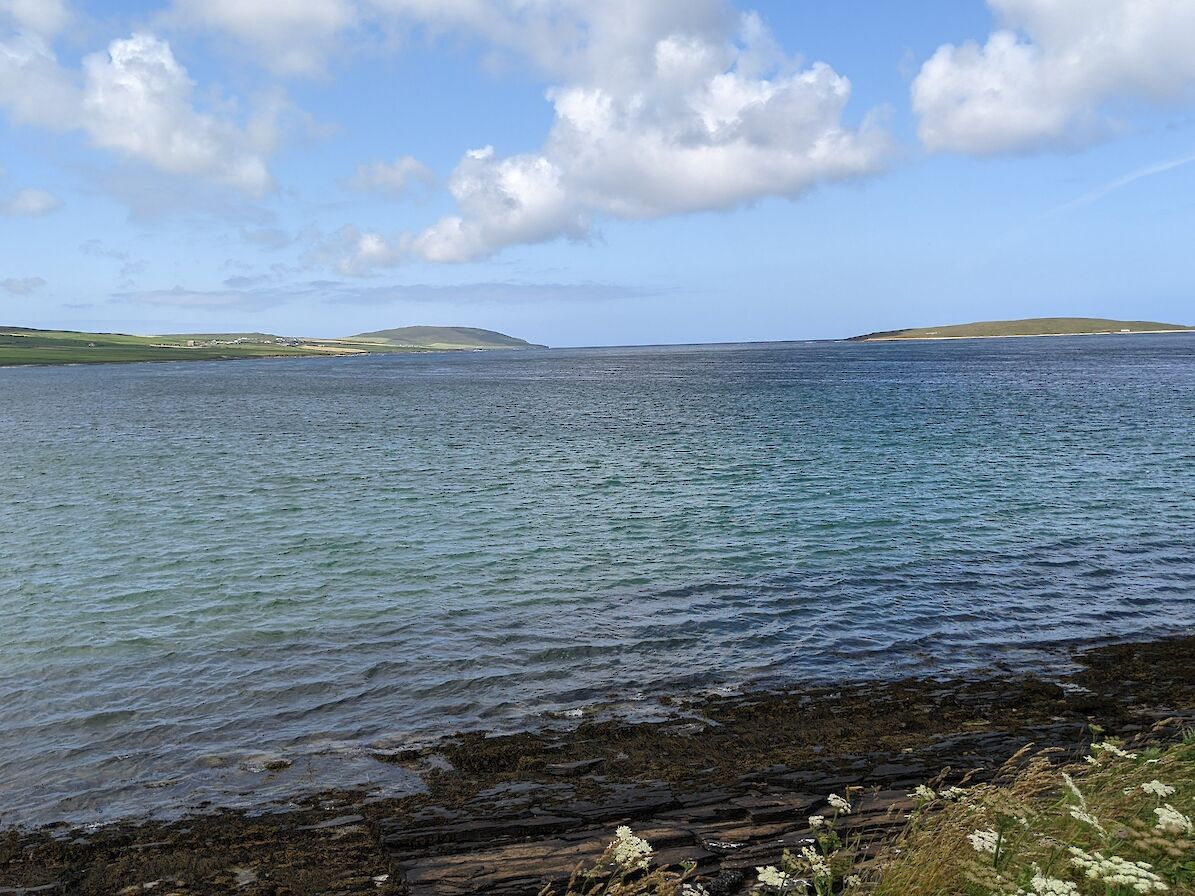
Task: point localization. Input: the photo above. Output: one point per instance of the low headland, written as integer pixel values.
(1034, 326)
(22, 345)
(928, 776)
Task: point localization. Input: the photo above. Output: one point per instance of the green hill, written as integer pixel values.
(1034, 326)
(443, 338)
(25, 345)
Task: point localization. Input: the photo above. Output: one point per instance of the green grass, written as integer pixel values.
(443, 338)
(1068, 825)
(25, 346)
(1037, 326)
(22, 345)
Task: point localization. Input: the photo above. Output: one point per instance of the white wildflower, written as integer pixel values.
(953, 793)
(1138, 876)
(631, 852)
(773, 877)
(817, 822)
(1052, 886)
(1087, 818)
(984, 841)
(839, 804)
(1114, 750)
(1074, 789)
(817, 862)
(1172, 821)
(924, 794)
(1091, 760)
(852, 880)
(1157, 788)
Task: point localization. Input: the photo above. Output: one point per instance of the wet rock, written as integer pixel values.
(338, 822)
(574, 769)
(726, 883)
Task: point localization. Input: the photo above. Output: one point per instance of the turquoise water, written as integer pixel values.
(207, 565)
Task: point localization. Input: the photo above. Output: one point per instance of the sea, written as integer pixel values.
(234, 583)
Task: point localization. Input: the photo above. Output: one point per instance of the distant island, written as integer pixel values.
(1033, 326)
(23, 345)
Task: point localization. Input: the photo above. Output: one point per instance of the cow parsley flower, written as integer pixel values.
(631, 852)
(984, 841)
(852, 880)
(839, 804)
(817, 862)
(1052, 886)
(817, 822)
(953, 793)
(1138, 876)
(773, 877)
(1157, 788)
(1114, 750)
(1172, 821)
(924, 794)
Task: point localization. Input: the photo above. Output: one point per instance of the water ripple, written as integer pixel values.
(208, 565)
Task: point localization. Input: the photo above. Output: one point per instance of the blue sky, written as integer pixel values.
(583, 173)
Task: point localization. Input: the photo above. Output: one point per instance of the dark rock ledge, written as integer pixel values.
(728, 788)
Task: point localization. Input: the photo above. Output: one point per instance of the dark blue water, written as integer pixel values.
(206, 565)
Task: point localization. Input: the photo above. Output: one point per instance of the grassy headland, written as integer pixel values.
(22, 345)
(1034, 326)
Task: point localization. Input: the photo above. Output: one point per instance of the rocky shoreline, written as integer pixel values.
(727, 784)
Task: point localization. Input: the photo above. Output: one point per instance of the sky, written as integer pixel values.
(594, 172)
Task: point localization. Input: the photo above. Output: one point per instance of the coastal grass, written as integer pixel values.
(1118, 823)
(21, 346)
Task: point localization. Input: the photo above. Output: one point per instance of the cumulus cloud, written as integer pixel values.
(40, 16)
(1047, 77)
(30, 203)
(664, 108)
(291, 37)
(395, 179)
(661, 108)
(134, 99)
(22, 286)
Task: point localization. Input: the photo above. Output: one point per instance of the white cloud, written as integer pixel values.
(664, 109)
(291, 37)
(135, 99)
(34, 87)
(30, 203)
(41, 16)
(22, 286)
(661, 108)
(397, 179)
(1048, 76)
